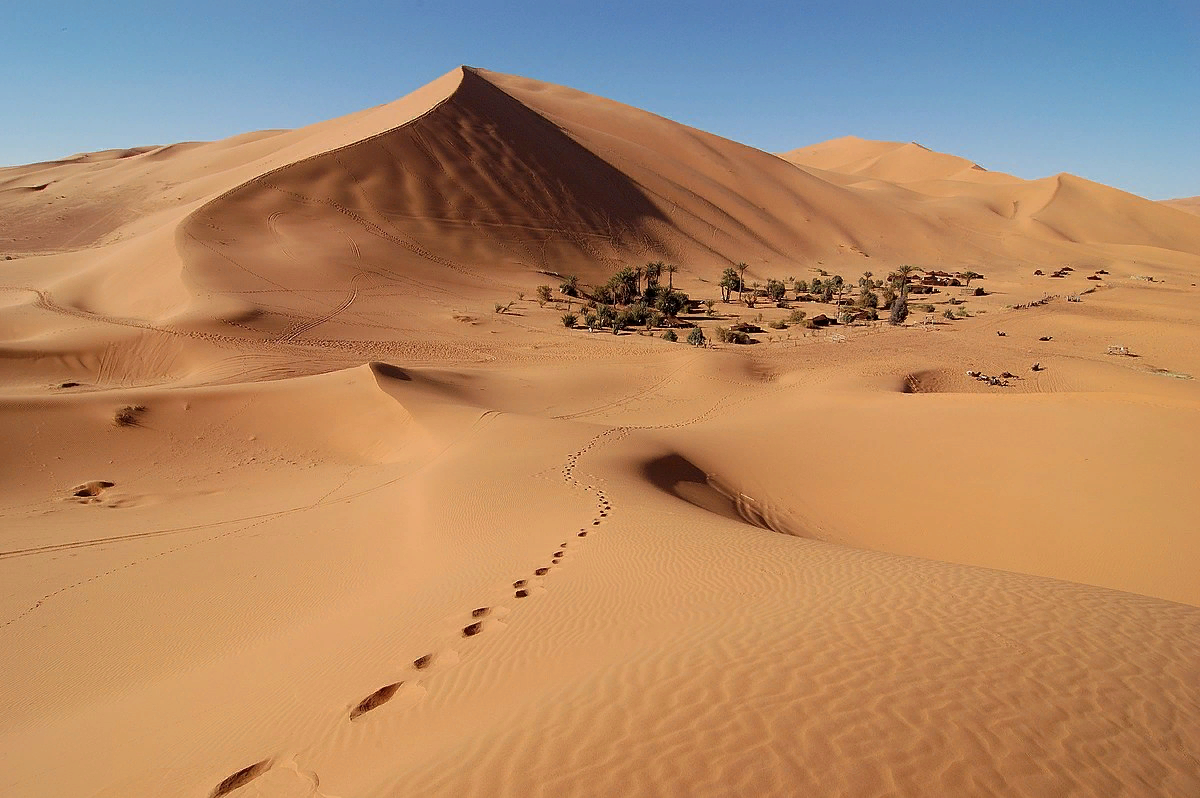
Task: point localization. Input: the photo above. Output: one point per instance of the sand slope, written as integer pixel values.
(289, 510)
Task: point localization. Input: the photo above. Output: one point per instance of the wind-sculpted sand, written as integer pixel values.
(290, 508)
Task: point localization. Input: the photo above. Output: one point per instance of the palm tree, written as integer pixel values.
(741, 270)
(904, 272)
(671, 269)
(729, 281)
(969, 276)
(638, 272)
(653, 273)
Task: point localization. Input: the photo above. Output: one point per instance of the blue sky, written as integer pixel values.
(1109, 91)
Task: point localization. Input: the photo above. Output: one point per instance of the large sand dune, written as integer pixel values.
(289, 510)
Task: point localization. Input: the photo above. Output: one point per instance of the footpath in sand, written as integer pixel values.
(289, 509)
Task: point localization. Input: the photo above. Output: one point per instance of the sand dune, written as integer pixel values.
(289, 509)
(1189, 204)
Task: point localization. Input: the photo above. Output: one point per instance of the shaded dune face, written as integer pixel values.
(683, 479)
(478, 186)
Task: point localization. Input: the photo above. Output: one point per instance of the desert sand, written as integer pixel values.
(290, 508)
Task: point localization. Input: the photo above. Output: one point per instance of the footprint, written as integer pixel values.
(519, 583)
(541, 571)
(242, 777)
(420, 663)
(521, 594)
(560, 553)
(470, 630)
(479, 613)
(583, 533)
(375, 699)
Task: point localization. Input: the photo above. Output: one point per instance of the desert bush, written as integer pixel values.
(899, 311)
(948, 314)
(778, 324)
(801, 286)
(636, 314)
(796, 316)
(696, 337)
(728, 336)
(128, 416)
(670, 335)
(543, 294)
(979, 291)
(591, 320)
(867, 298)
(927, 308)
(569, 319)
(672, 303)
(776, 289)
(569, 286)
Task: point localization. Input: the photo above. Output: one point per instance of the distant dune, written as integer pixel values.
(1189, 204)
(309, 490)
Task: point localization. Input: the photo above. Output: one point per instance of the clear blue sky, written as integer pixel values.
(1106, 90)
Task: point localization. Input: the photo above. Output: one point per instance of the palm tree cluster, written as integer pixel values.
(634, 296)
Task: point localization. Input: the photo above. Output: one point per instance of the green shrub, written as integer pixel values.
(569, 320)
(636, 314)
(796, 316)
(778, 324)
(696, 337)
(670, 335)
(728, 336)
(543, 294)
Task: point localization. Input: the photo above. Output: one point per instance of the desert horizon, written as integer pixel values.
(505, 439)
